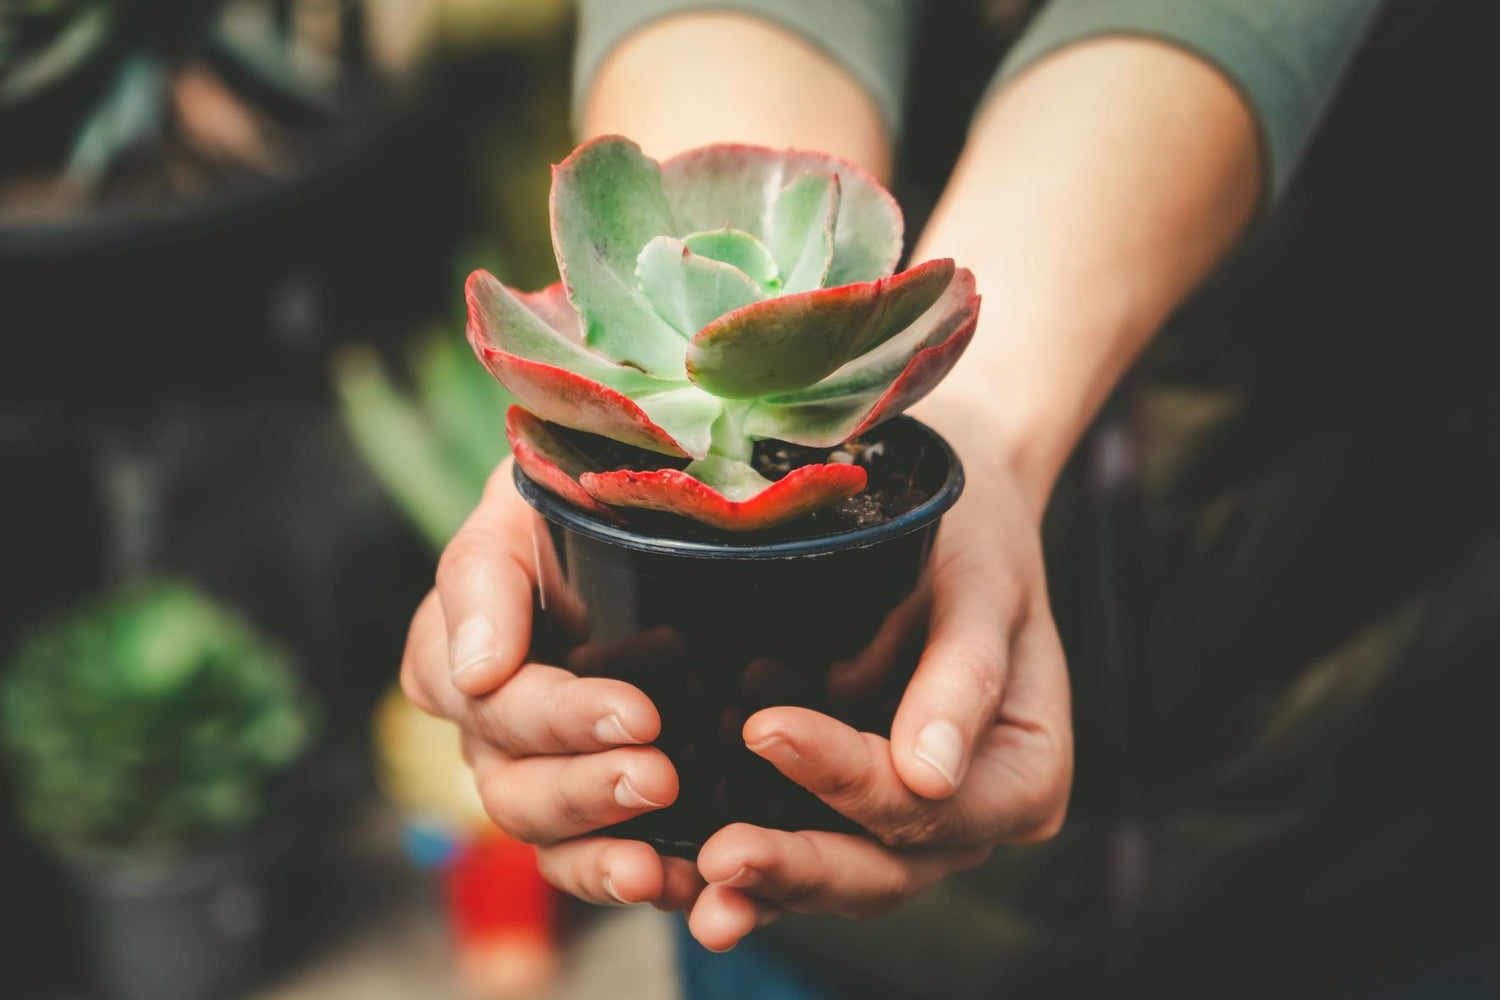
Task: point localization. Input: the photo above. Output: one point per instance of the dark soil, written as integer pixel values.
(892, 456)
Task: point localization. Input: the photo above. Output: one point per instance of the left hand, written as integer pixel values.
(980, 751)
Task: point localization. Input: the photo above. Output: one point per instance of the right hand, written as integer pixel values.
(555, 756)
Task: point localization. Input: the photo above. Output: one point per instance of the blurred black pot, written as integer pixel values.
(714, 631)
(187, 928)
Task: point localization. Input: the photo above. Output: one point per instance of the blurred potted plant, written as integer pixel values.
(146, 732)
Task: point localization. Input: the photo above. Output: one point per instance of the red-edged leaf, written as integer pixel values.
(564, 397)
(524, 325)
(736, 184)
(551, 462)
(562, 381)
(878, 385)
(800, 492)
(793, 341)
(553, 308)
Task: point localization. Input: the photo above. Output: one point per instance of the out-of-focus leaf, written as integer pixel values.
(73, 46)
(401, 447)
(132, 110)
(466, 407)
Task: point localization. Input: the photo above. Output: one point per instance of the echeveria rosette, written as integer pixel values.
(728, 295)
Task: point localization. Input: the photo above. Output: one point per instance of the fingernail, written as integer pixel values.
(775, 749)
(941, 748)
(609, 887)
(610, 729)
(742, 879)
(473, 644)
(629, 798)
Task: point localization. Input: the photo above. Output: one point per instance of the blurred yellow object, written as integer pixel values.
(403, 32)
(419, 767)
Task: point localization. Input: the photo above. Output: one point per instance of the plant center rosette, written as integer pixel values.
(729, 295)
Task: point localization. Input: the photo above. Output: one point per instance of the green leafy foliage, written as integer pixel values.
(431, 446)
(150, 721)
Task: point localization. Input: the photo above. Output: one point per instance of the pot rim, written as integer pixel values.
(559, 511)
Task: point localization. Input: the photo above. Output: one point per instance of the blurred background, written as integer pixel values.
(238, 420)
(237, 423)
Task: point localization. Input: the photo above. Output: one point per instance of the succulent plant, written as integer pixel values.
(728, 295)
(148, 722)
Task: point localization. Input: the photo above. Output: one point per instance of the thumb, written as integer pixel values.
(954, 695)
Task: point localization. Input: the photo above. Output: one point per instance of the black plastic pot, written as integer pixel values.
(714, 631)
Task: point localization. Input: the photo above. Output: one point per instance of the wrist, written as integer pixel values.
(993, 439)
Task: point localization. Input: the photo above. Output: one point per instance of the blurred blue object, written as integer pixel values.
(751, 971)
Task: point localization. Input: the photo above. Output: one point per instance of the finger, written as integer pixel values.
(817, 872)
(542, 800)
(603, 870)
(854, 774)
(426, 654)
(683, 884)
(547, 710)
(484, 582)
(954, 695)
(722, 916)
(1023, 771)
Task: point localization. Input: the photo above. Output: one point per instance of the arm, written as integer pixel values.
(720, 76)
(1087, 222)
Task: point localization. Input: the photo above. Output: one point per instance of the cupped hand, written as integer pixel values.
(980, 752)
(555, 756)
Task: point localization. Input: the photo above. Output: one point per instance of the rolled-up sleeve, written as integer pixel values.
(869, 38)
(1285, 56)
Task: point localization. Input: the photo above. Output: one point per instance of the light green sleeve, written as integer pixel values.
(1285, 56)
(869, 38)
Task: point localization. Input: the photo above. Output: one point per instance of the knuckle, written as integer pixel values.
(920, 830)
(574, 809)
(495, 795)
(457, 564)
(980, 663)
(491, 722)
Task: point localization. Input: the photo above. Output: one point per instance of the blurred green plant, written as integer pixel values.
(432, 448)
(213, 80)
(149, 722)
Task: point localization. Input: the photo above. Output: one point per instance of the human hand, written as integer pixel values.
(980, 752)
(555, 756)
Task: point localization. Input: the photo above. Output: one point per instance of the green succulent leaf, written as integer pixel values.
(607, 204)
(738, 185)
(689, 291)
(878, 368)
(740, 250)
(801, 231)
(791, 342)
(503, 322)
(735, 480)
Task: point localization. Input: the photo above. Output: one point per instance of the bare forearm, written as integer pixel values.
(1094, 194)
(726, 77)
